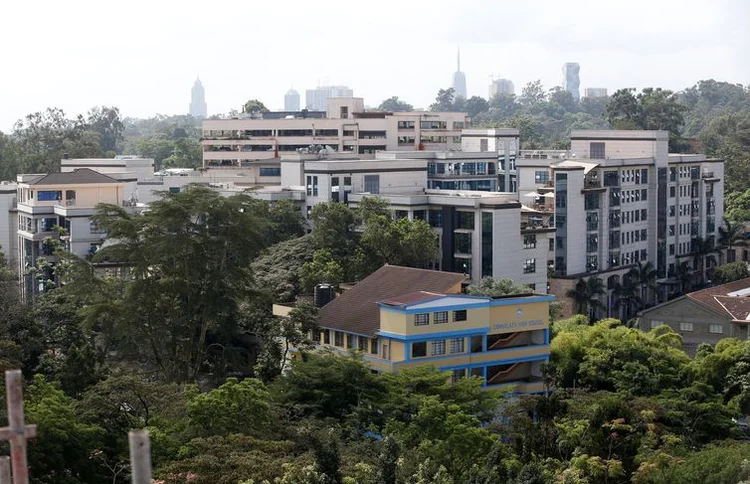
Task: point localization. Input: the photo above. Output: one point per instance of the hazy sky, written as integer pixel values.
(143, 56)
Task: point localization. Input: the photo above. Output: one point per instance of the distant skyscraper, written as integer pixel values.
(317, 99)
(596, 92)
(501, 86)
(198, 106)
(459, 79)
(291, 100)
(572, 79)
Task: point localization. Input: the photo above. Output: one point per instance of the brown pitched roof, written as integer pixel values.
(716, 297)
(356, 310)
(411, 298)
(75, 177)
(738, 307)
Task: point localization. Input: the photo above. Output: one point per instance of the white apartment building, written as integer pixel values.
(624, 199)
(501, 86)
(480, 233)
(64, 200)
(8, 222)
(257, 143)
(317, 99)
(596, 92)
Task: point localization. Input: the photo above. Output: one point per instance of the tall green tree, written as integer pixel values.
(585, 294)
(254, 106)
(189, 257)
(394, 104)
(444, 101)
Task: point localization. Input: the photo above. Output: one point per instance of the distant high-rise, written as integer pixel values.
(317, 99)
(572, 79)
(596, 92)
(459, 79)
(501, 86)
(291, 100)
(198, 106)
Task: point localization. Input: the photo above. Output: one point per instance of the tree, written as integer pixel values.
(492, 286)
(651, 109)
(333, 228)
(585, 294)
(733, 271)
(402, 242)
(254, 106)
(322, 269)
(563, 98)
(277, 269)
(533, 94)
(645, 275)
(737, 206)
(287, 221)
(730, 234)
(394, 104)
(704, 248)
(106, 121)
(299, 329)
(188, 257)
(444, 101)
(234, 407)
(628, 294)
(475, 105)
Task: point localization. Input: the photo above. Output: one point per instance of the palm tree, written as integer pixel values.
(731, 234)
(628, 294)
(585, 294)
(645, 275)
(684, 276)
(703, 248)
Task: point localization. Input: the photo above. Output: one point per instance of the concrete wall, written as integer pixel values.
(8, 223)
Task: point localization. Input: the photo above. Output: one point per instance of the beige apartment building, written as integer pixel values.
(65, 201)
(258, 141)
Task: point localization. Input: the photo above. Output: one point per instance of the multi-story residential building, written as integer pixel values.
(8, 222)
(401, 317)
(65, 201)
(347, 128)
(472, 226)
(291, 100)
(596, 92)
(571, 79)
(317, 99)
(705, 316)
(501, 86)
(624, 199)
(198, 106)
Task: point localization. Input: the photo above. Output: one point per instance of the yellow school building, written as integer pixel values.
(401, 317)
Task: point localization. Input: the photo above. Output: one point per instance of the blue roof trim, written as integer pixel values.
(499, 353)
(514, 301)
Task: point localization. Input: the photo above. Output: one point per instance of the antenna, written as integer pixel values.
(458, 57)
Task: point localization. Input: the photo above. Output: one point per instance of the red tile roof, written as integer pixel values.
(716, 298)
(357, 311)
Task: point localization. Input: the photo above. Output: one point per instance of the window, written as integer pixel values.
(644, 214)
(459, 315)
(541, 177)
(644, 176)
(437, 348)
(266, 171)
(671, 192)
(441, 317)
(338, 339)
(715, 328)
(312, 185)
(372, 184)
(462, 242)
(49, 196)
(529, 266)
(174, 189)
(457, 375)
(551, 244)
(671, 211)
(421, 319)
(591, 202)
(596, 151)
(644, 194)
(483, 145)
(465, 220)
(350, 341)
(419, 350)
(656, 324)
(374, 346)
(456, 345)
(686, 326)
(529, 241)
(611, 178)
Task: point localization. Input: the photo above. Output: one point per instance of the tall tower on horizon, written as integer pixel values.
(459, 78)
(198, 107)
(572, 79)
(291, 100)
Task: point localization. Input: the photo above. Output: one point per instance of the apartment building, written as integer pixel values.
(622, 199)
(347, 127)
(8, 222)
(480, 233)
(65, 201)
(401, 317)
(705, 316)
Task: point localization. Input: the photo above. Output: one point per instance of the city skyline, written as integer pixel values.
(143, 79)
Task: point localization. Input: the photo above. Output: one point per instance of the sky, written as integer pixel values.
(144, 55)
